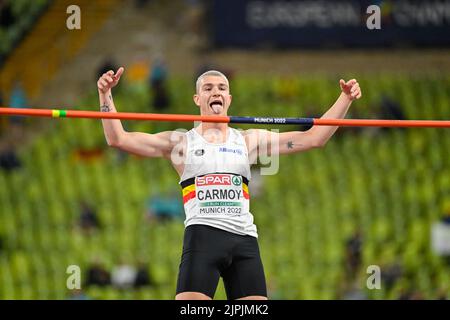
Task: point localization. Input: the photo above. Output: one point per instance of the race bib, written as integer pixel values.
(221, 194)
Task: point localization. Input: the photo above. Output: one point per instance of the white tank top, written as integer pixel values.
(215, 183)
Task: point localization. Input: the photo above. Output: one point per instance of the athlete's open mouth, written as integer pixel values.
(216, 106)
(218, 102)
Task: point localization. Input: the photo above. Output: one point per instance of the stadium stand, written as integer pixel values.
(391, 184)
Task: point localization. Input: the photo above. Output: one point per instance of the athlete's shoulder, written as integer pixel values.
(181, 134)
(172, 135)
(239, 133)
(243, 132)
(253, 132)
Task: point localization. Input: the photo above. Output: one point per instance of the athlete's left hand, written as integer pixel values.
(351, 89)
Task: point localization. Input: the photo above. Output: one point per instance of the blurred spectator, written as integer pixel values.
(139, 4)
(89, 220)
(121, 157)
(442, 293)
(8, 158)
(159, 72)
(391, 273)
(88, 154)
(194, 20)
(416, 295)
(3, 120)
(353, 251)
(440, 235)
(286, 88)
(105, 66)
(143, 276)
(390, 109)
(78, 294)
(408, 294)
(164, 207)
(355, 293)
(405, 294)
(138, 68)
(446, 218)
(123, 276)
(158, 85)
(273, 290)
(1, 243)
(18, 99)
(97, 275)
(6, 15)
(310, 112)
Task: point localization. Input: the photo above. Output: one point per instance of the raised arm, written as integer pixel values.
(143, 144)
(317, 136)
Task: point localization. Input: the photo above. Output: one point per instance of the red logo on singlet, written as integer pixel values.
(213, 180)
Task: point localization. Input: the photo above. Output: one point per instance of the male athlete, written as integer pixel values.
(213, 162)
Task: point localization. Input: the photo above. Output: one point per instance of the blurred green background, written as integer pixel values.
(390, 186)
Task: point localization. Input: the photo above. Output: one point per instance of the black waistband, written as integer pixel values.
(190, 181)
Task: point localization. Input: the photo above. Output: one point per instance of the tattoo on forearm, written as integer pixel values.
(105, 108)
(291, 145)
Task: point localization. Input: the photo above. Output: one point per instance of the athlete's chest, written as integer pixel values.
(233, 152)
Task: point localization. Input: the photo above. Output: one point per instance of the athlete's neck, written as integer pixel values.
(213, 132)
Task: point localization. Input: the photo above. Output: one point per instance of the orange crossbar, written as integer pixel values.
(222, 119)
(383, 123)
(55, 113)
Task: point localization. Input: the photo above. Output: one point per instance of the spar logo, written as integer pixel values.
(214, 180)
(237, 180)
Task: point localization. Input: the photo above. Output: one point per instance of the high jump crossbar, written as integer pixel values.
(59, 113)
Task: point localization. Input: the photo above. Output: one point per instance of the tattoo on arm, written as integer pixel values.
(291, 145)
(105, 107)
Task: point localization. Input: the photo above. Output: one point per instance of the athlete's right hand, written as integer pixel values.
(109, 80)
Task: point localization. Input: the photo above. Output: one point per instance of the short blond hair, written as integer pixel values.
(209, 73)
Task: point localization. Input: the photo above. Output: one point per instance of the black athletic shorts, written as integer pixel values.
(210, 253)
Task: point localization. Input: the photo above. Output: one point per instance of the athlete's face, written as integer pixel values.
(213, 96)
